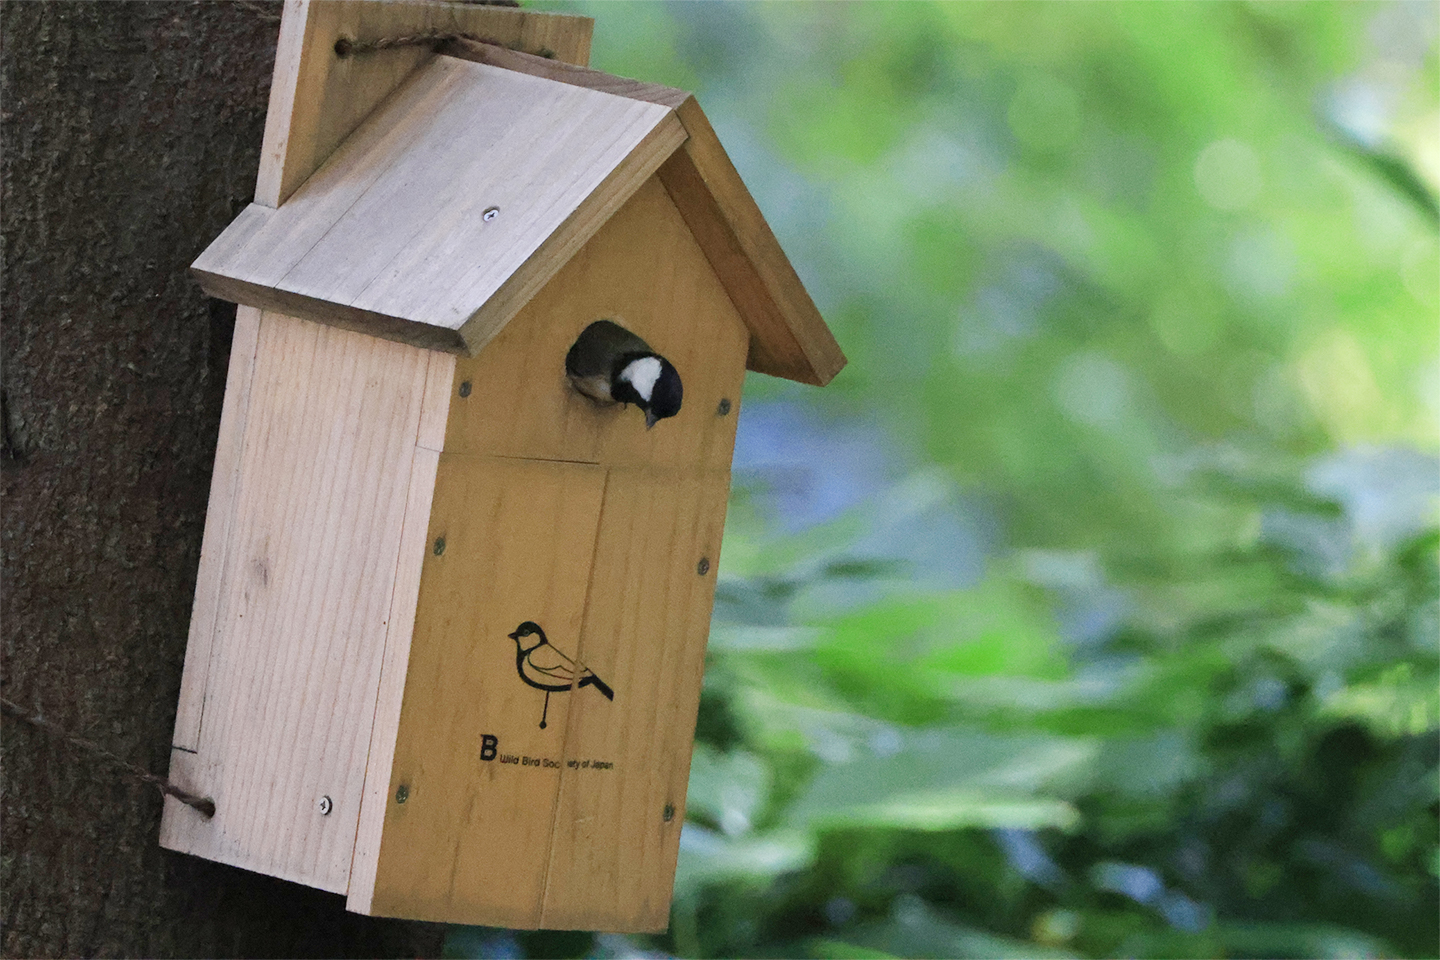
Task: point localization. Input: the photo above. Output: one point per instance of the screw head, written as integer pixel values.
(724, 407)
(439, 546)
(703, 567)
(465, 388)
(402, 793)
(669, 812)
(326, 805)
(490, 213)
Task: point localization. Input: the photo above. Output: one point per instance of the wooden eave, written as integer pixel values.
(389, 236)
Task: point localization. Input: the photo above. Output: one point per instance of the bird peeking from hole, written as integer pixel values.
(544, 667)
(609, 364)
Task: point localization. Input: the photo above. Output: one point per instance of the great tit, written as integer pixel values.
(610, 364)
(545, 668)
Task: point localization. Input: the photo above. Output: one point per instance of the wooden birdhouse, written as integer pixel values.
(451, 613)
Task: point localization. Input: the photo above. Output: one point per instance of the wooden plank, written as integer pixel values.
(675, 302)
(392, 226)
(613, 853)
(318, 98)
(741, 216)
(319, 503)
(399, 629)
(219, 517)
(789, 337)
(573, 73)
(470, 843)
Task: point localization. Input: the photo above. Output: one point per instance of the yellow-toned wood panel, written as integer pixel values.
(324, 470)
(470, 842)
(612, 861)
(644, 269)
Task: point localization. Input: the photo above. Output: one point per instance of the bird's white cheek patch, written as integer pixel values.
(642, 374)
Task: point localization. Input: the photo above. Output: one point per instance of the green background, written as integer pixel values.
(1092, 610)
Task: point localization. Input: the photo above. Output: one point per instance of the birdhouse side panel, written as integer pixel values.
(308, 562)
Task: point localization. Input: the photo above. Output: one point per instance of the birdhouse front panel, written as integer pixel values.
(543, 746)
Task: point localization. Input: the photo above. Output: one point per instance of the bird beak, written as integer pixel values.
(650, 419)
(515, 635)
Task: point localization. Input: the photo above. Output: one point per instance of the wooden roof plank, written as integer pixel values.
(318, 98)
(789, 337)
(392, 226)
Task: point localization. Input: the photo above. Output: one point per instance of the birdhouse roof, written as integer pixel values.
(477, 180)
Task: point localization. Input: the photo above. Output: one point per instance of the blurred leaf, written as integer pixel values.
(947, 779)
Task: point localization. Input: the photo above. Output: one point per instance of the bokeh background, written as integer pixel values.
(1092, 611)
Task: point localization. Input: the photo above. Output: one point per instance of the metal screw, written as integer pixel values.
(724, 407)
(669, 813)
(465, 388)
(402, 793)
(703, 567)
(326, 806)
(490, 213)
(439, 546)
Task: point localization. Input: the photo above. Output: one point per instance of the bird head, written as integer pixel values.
(652, 384)
(528, 629)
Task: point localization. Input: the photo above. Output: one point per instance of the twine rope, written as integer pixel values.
(204, 804)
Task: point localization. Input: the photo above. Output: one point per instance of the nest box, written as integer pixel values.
(409, 495)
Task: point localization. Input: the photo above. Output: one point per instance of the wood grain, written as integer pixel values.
(219, 518)
(613, 852)
(318, 98)
(789, 338)
(392, 225)
(674, 302)
(471, 841)
(290, 692)
(631, 606)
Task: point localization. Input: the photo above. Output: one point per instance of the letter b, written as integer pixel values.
(488, 743)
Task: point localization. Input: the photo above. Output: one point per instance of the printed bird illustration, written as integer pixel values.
(610, 364)
(544, 667)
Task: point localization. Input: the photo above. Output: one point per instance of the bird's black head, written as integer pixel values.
(666, 395)
(528, 629)
(650, 382)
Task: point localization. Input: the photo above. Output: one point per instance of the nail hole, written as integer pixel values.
(703, 567)
(402, 793)
(669, 812)
(439, 546)
(724, 407)
(465, 388)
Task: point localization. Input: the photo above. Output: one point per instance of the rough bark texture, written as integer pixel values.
(131, 134)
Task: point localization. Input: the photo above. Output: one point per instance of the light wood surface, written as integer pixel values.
(290, 693)
(393, 225)
(219, 517)
(318, 98)
(789, 338)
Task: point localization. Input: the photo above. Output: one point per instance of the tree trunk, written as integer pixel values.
(131, 137)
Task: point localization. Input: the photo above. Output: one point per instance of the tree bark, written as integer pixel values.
(131, 137)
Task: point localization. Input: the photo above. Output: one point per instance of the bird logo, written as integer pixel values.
(609, 364)
(544, 667)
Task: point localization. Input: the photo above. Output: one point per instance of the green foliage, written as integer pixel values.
(1093, 610)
